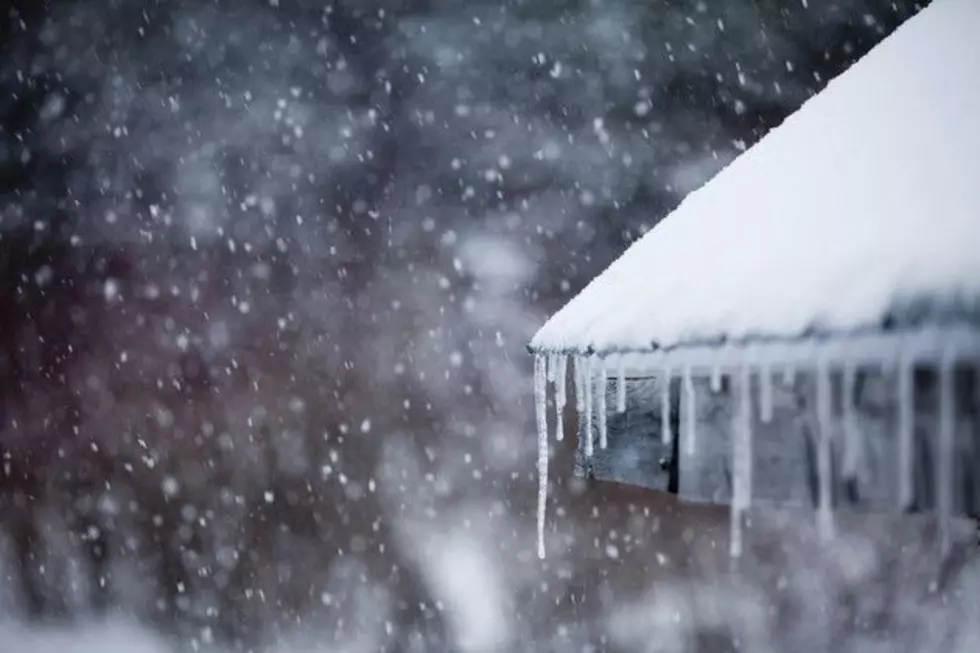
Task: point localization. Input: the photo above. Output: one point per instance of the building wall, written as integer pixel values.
(636, 454)
(780, 447)
(865, 475)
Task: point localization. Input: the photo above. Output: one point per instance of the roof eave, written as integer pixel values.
(811, 335)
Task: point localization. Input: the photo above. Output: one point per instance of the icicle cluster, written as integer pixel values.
(819, 361)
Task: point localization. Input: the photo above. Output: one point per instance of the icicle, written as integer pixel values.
(945, 446)
(716, 378)
(735, 532)
(765, 394)
(561, 374)
(589, 380)
(852, 442)
(691, 432)
(665, 434)
(541, 408)
(601, 405)
(621, 387)
(747, 450)
(742, 462)
(789, 375)
(579, 372)
(906, 417)
(825, 470)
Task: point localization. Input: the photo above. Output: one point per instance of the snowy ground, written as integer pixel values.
(631, 572)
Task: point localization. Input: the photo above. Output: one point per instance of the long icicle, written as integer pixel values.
(601, 409)
(716, 377)
(742, 461)
(665, 435)
(691, 430)
(541, 410)
(906, 426)
(825, 515)
(589, 380)
(561, 379)
(765, 393)
(579, 372)
(853, 448)
(621, 386)
(946, 446)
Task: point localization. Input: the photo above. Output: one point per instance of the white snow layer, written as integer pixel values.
(862, 202)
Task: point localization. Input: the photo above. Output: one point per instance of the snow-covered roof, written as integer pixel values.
(861, 209)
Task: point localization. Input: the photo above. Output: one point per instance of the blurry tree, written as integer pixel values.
(268, 268)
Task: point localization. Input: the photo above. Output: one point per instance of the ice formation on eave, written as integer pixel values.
(860, 210)
(862, 207)
(750, 369)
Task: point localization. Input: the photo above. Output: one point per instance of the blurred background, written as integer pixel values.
(268, 271)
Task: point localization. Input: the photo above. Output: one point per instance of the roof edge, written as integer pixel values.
(814, 335)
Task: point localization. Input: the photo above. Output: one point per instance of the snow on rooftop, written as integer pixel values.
(861, 205)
